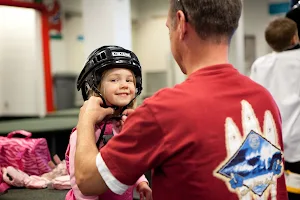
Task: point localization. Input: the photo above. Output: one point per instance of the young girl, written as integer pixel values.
(114, 74)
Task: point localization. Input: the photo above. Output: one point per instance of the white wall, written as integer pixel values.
(153, 8)
(151, 41)
(21, 64)
(58, 56)
(75, 48)
(106, 22)
(134, 9)
(256, 19)
(75, 57)
(152, 46)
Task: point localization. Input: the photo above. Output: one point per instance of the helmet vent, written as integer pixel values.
(100, 57)
(103, 55)
(95, 60)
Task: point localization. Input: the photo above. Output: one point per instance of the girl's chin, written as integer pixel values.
(119, 104)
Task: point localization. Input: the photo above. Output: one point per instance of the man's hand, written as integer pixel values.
(91, 112)
(125, 114)
(145, 191)
(128, 112)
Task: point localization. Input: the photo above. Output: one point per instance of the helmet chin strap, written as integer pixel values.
(122, 109)
(95, 89)
(125, 107)
(110, 118)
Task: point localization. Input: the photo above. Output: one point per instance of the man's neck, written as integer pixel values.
(204, 54)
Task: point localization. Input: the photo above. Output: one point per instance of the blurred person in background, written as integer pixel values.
(279, 72)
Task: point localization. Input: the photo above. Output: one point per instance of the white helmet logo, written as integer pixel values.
(121, 54)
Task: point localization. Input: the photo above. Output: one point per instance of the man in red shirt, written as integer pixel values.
(215, 136)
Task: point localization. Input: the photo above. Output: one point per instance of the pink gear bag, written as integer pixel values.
(31, 155)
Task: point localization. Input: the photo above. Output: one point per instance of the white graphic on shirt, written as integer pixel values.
(254, 162)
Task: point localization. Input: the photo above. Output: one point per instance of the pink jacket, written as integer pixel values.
(74, 193)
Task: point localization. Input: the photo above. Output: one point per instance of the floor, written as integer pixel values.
(34, 194)
(37, 194)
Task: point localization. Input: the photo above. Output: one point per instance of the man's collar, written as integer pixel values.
(297, 46)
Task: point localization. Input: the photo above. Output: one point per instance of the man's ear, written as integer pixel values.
(182, 24)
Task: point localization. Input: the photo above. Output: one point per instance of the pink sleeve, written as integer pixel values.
(78, 195)
(141, 179)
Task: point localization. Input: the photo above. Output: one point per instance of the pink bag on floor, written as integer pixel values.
(31, 155)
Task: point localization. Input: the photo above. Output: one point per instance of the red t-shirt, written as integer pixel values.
(215, 136)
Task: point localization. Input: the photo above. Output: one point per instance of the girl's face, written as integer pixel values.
(118, 86)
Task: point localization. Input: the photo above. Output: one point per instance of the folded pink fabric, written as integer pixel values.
(36, 182)
(61, 183)
(59, 170)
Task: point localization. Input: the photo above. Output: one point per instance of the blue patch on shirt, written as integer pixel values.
(254, 164)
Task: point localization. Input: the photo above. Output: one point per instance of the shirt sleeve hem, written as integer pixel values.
(112, 183)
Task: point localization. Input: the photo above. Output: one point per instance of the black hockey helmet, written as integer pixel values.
(104, 58)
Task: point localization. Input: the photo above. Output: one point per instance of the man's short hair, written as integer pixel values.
(212, 19)
(280, 32)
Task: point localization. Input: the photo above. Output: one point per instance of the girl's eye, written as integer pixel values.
(113, 80)
(129, 80)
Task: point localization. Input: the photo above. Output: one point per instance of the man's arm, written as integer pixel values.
(140, 146)
(87, 177)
